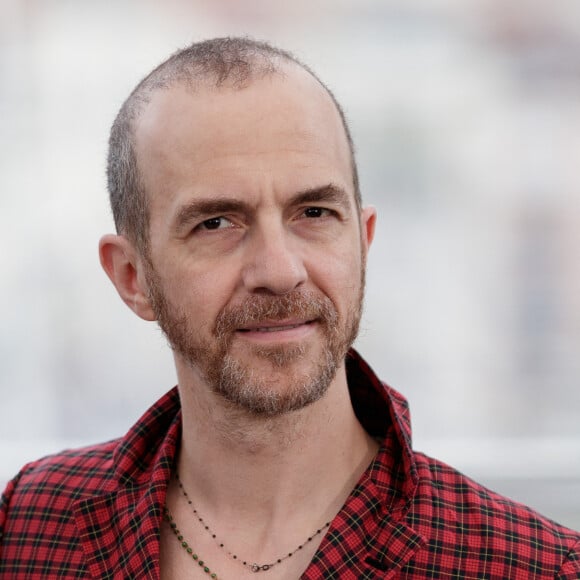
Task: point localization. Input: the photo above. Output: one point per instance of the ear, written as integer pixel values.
(368, 220)
(123, 266)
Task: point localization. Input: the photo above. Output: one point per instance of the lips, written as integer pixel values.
(265, 317)
(275, 326)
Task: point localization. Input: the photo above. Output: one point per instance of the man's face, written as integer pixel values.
(257, 248)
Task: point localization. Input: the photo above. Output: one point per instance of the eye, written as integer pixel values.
(215, 223)
(316, 212)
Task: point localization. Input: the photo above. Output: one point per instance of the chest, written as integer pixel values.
(198, 556)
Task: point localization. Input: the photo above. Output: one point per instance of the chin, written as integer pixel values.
(282, 387)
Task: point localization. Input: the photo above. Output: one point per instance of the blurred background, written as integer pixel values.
(466, 117)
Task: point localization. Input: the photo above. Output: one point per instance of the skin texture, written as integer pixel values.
(256, 275)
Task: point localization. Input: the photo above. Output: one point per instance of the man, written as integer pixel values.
(241, 231)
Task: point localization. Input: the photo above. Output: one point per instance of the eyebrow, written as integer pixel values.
(193, 211)
(329, 193)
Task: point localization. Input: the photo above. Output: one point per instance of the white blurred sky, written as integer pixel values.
(467, 123)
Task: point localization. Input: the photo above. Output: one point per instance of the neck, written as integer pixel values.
(267, 471)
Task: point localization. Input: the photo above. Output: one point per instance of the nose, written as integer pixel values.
(273, 261)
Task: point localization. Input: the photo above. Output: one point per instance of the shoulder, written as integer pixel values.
(86, 468)
(37, 524)
(58, 478)
(463, 519)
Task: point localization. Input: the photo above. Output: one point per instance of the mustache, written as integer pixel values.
(296, 304)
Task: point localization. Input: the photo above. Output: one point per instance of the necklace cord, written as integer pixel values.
(253, 566)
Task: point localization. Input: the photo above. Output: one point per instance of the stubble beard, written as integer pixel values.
(249, 387)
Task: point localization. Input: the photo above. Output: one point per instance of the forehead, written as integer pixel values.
(282, 130)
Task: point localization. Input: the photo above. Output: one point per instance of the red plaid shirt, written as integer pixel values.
(96, 512)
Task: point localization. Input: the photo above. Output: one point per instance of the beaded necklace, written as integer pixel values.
(254, 567)
(185, 545)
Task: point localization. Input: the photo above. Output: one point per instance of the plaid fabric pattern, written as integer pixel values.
(96, 512)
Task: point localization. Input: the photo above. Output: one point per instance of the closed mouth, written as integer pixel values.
(275, 326)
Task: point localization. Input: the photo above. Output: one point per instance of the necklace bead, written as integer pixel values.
(186, 546)
(254, 567)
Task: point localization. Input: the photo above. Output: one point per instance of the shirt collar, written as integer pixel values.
(385, 415)
(151, 442)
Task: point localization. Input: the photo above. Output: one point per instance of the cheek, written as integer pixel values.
(339, 277)
(199, 294)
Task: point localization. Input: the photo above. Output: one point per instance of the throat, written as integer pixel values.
(250, 564)
(195, 544)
